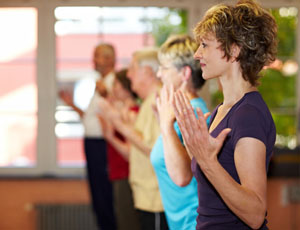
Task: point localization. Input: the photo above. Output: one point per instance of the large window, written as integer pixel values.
(278, 84)
(78, 30)
(18, 88)
(48, 45)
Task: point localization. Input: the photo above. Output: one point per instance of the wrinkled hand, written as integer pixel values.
(164, 106)
(199, 143)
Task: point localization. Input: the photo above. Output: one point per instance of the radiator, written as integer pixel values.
(65, 217)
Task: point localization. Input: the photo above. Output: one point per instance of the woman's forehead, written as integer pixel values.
(209, 36)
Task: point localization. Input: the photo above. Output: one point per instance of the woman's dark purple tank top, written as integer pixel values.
(249, 117)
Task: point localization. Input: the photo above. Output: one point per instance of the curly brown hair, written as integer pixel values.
(246, 25)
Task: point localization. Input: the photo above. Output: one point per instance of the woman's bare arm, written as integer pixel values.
(248, 199)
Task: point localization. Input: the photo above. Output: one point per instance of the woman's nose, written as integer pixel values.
(198, 54)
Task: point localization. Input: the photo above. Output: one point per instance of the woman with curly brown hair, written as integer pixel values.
(231, 158)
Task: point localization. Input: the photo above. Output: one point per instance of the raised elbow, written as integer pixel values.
(256, 224)
(182, 181)
(257, 220)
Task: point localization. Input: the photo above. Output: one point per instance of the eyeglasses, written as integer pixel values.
(163, 68)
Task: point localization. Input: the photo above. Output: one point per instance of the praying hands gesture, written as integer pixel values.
(164, 107)
(177, 159)
(108, 111)
(198, 142)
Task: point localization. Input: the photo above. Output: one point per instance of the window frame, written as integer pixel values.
(46, 164)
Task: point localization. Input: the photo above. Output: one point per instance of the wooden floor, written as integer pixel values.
(17, 199)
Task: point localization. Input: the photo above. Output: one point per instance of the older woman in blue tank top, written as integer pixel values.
(177, 186)
(231, 158)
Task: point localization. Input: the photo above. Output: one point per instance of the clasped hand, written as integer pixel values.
(164, 106)
(198, 142)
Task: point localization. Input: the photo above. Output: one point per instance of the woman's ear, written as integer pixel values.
(235, 52)
(186, 73)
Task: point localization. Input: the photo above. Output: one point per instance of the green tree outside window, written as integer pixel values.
(278, 84)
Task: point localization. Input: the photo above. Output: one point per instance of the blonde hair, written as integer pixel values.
(179, 50)
(147, 57)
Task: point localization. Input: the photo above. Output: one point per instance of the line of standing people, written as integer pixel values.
(189, 169)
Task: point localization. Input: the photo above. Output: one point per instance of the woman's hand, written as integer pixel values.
(108, 111)
(164, 106)
(198, 142)
(107, 128)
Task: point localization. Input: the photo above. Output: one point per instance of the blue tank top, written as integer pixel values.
(180, 203)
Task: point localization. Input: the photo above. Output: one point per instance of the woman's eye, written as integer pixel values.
(203, 45)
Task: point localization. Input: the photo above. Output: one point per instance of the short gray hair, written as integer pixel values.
(147, 57)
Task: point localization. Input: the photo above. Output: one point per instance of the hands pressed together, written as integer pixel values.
(164, 106)
(198, 142)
